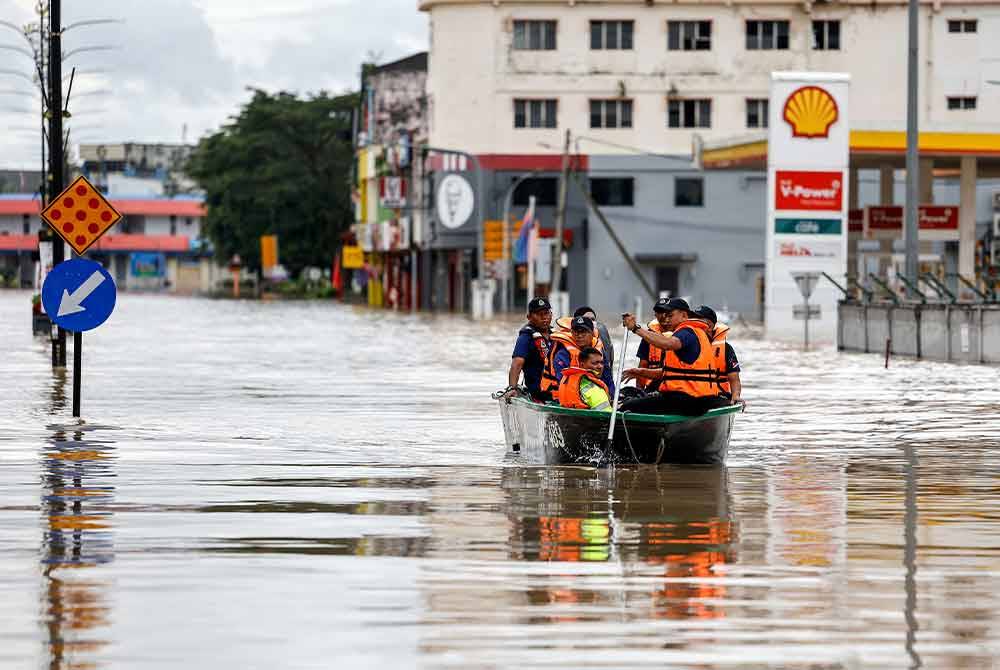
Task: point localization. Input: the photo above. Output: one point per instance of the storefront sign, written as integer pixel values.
(936, 222)
(392, 192)
(807, 226)
(816, 191)
(354, 258)
(148, 264)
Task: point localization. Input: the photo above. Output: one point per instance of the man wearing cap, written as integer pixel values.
(687, 381)
(602, 332)
(565, 352)
(531, 351)
(649, 356)
(726, 363)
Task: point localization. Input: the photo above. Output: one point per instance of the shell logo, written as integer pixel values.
(810, 111)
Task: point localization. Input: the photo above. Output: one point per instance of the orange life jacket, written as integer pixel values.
(655, 360)
(569, 387)
(563, 340)
(718, 338)
(698, 379)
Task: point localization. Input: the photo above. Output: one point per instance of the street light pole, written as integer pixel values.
(912, 230)
(56, 170)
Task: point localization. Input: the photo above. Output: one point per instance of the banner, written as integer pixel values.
(268, 253)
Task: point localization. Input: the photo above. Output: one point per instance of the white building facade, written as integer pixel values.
(691, 68)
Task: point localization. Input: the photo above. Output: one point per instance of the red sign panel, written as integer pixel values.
(932, 217)
(856, 220)
(810, 191)
(885, 218)
(938, 217)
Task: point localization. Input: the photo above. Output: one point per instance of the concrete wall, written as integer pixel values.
(475, 74)
(957, 333)
(726, 235)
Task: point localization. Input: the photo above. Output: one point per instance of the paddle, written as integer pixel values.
(618, 389)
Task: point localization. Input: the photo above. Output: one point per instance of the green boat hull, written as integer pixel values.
(553, 435)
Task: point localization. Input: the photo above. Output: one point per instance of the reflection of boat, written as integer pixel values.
(556, 435)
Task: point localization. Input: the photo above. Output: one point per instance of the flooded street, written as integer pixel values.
(308, 485)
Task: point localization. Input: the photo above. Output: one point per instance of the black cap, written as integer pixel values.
(670, 304)
(538, 305)
(707, 313)
(581, 311)
(583, 323)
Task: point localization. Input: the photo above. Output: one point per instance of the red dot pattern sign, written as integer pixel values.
(80, 215)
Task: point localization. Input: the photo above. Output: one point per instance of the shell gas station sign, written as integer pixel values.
(808, 145)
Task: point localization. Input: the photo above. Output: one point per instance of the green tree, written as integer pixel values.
(283, 167)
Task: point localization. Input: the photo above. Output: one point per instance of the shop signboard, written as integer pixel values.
(809, 191)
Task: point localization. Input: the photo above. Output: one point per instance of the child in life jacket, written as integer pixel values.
(581, 387)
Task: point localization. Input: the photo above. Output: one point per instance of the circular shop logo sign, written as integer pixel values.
(455, 201)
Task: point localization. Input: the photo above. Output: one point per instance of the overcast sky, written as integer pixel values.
(180, 62)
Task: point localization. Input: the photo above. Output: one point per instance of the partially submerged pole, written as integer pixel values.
(912, 230)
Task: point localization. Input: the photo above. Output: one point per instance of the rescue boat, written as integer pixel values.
(548, 434)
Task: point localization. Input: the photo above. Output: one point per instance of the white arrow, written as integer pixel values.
(70, 303)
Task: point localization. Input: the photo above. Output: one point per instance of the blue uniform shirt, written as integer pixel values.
(533, 350)
(690, 346)
(732, 363)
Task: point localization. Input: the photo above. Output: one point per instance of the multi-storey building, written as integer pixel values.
(642, 84)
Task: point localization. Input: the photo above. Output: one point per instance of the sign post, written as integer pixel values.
(80, 215)
(806, 282)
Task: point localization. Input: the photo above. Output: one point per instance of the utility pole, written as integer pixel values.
(912, 227)
(56, 161)
(560, 220)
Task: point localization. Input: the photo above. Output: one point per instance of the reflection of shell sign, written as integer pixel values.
(455, 201)
(810, 111)
(821, 191)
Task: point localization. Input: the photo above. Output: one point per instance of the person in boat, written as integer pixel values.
(582, 386)
(565, 353)
(651, 357)
(687, 383)
(531, 352)
(602, 332)
(726, 364)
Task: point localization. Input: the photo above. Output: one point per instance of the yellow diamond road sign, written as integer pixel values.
(80, 215)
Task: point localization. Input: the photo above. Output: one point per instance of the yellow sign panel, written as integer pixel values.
(354, 258)
(268, 251)
(493, 241)
(80, 215)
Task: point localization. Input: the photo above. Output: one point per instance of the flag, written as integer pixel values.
(522, 248)
(335, 279)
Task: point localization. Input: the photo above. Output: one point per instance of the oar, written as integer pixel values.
(618, 390)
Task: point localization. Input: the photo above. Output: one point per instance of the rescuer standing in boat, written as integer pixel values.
(531, 351)
(687, 382)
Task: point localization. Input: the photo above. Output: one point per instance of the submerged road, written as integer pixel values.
(308, 485)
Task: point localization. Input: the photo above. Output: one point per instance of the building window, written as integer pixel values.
(26, 224)
(535, 35)
(545, 190)
(613, 192)
(689, 192)
(689, 35)
(610, 113)
(534, 113)
(767, 35)
(963, 25)
(826, 35)
(689, 113)
(173, 224)
(962, 102)
(611, 34)
(757, 112)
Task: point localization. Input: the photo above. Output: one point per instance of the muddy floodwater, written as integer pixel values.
(308, 485)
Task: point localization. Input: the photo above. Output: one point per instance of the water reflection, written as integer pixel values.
(77, 521)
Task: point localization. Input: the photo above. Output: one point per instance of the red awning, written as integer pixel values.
(149, 207)
(171, 244)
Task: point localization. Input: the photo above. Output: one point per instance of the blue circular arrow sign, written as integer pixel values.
(79, 295)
